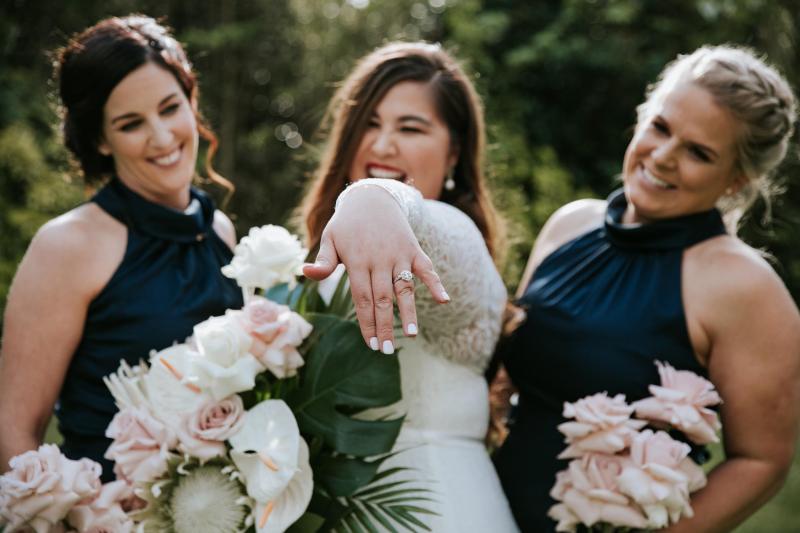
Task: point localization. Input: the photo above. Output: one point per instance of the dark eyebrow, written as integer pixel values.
(415, 118)
(134, 115)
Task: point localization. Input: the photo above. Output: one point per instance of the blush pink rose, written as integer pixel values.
(141, 445)
(658, 477)
(683, 400)
(277, 333)
(260, 316)
(104, 512)
(42, 486)
(204, 432)
(588, 494)
(602, 424)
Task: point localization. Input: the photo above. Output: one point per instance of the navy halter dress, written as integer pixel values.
(168, 281)
(600, 310)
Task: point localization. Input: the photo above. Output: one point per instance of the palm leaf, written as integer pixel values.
(386, 504)
(379, 517)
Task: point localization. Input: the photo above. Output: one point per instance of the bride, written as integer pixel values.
(406, 128)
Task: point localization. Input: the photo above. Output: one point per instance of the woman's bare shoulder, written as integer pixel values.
(568, 222)
(86, 240)
(734, 284)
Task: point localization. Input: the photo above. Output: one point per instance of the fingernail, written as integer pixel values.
(373, 343)
(445, 296)
(388, 347)
(411, 329)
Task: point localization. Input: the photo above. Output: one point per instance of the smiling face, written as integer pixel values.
(406, 140)
(682, 158)
(150, 129)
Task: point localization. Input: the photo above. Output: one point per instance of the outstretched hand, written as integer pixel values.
(371, 237)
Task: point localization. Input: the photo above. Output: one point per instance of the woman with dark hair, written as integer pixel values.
(133, 269)
(407, 131)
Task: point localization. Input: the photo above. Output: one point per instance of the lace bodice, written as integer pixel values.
(464, 331)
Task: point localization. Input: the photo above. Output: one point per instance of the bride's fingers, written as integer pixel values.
(326, 261)
(383, 300)
(423, 269)
(361, 290)
(404, 292)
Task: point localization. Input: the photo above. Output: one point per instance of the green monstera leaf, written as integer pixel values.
(343, 377)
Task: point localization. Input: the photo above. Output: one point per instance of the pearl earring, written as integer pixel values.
(449, 182)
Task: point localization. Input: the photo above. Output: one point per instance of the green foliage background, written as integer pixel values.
(560, 80)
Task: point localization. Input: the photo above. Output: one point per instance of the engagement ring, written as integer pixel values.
(404, 275)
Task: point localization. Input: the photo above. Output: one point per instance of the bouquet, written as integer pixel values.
(625, 476)
(255, 423)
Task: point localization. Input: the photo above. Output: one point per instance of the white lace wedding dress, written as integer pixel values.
(445, 396)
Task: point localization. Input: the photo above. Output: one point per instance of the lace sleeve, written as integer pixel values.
(465, 330)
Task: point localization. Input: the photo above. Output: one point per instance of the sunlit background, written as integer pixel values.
(559, 79)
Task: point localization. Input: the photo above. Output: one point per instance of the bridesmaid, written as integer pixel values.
(133, 269)
(657, 272)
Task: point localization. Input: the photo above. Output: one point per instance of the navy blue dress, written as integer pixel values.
(600, 310)
(168, 281)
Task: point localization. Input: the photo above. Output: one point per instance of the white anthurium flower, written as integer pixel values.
(222, 339)
(265, 257)
(172, 386)
(266, 449)
(277, 515)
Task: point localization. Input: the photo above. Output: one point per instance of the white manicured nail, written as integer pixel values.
(373, 343)
(445, 296)
(388, 347)
(411, 329)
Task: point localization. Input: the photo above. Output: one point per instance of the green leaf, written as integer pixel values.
(400, 519)
(386, 503)
(327, 507)
(341, 303)
(352, 523)
(380, 498)
(341, 372)
(404, 516)
(374, 510)
(342, 476)
(363, 520)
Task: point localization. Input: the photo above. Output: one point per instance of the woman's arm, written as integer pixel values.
(69, 260)
(752, 328)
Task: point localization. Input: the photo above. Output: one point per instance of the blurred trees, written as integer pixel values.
(560, 81)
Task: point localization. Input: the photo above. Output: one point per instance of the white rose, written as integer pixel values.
(222, 339)
(265, 257)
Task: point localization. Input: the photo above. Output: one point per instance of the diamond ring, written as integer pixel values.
(404, 275)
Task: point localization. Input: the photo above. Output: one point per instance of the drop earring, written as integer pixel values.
(449, 182)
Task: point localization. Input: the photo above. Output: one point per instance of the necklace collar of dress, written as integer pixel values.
(192, 225)
(666, 234)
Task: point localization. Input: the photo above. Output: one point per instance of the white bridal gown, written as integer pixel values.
(445, 396)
